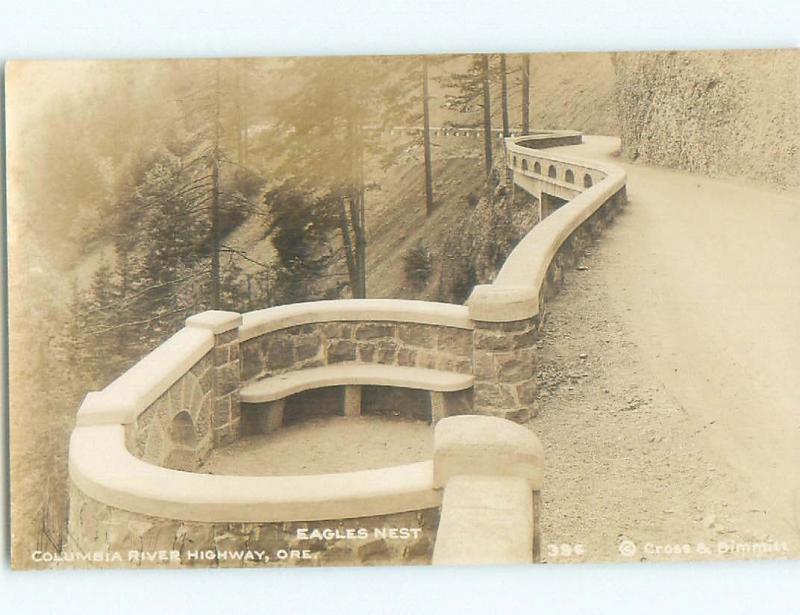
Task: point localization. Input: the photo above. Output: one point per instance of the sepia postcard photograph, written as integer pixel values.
(495, 308)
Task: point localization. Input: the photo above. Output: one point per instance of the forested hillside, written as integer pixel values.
(143, 192)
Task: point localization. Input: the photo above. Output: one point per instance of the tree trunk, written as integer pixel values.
(526, 93)
(358, 278)
(215, 274)
(349, 249)
(487, 116)
(426, 128)
(243, 131)
(360, 227)
(504, 92)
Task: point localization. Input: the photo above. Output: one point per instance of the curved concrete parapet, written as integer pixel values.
(515, 293)
(122, 400)
(103, 469)
(267, 320)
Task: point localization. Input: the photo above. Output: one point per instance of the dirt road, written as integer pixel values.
(670, 375)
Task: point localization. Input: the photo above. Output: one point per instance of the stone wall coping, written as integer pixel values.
(514, 295)
(485, 520)
(130, 394)
(283, 385)
(216, 321)
(264, 321)
(543, 137)
(486, 445)
(515, 147)
(102, 468)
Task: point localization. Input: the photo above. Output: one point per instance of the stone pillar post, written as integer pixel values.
(504, 352)
(492, 473)
(226, 414)
(352, 400)
(438, 406)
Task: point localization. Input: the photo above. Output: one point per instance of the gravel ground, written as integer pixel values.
(626, 464)
(324, 446)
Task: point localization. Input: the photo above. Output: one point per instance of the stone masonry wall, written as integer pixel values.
(175, 431)
(387, 343)
(199, 412)
(505, 364)
(96, 528)
(505, 352)
(574, 247)
(226, 419)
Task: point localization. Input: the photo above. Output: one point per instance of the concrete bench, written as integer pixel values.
(273, 390)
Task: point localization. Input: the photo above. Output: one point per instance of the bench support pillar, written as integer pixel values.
(270, 418)
(352, 400)
(438, 409)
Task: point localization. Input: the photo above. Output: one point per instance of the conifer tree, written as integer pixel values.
(471, 92)
(329, 133)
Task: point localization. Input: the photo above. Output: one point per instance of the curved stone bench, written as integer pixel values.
(273, 391)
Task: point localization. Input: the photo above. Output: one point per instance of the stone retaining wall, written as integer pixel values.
(504, 353)
(383, 342)
(97, 528)
(576, 245)
(200, 410)
(505, 368)
(176, 430)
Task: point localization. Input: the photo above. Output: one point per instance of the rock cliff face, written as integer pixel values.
(721, 113)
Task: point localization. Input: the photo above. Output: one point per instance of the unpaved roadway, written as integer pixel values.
(669, 399)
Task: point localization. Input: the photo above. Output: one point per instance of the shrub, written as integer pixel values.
(418, 265)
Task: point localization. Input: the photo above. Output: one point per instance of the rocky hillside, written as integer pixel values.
(719, 113)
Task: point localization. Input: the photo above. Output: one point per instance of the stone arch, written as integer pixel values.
(569, 176)
(587, 181)
(537, 168)
(524, 164)
(181, 430)
(552, 171)
(514, 161)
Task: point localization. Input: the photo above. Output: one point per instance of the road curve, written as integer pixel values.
(707, 274)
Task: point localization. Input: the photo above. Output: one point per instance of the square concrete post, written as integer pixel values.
(226, 413)
(352, 400)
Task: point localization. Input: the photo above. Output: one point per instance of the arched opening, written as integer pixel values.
(552, 172)
(537, 168)
(587, 181)
(569, 176)
(181, 430)
(514, 161)
(524, 164)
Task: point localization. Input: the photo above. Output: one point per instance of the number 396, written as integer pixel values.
(565, 550)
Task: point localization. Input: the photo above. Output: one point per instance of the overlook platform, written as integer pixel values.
(139, 443)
